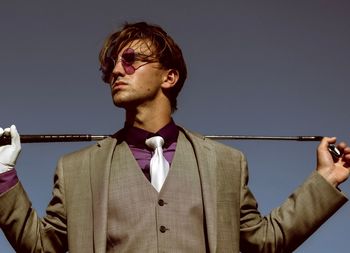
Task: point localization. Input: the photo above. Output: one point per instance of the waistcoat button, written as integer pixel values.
(162, 229)
(161, 202)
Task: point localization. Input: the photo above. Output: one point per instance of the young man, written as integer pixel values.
(109, 197)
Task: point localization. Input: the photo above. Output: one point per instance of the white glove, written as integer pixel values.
(9, 153)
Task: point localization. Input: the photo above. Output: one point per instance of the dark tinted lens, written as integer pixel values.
(108, 65)
(128, 56)
(107, 68)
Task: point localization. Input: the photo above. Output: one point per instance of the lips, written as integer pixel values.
(118, 85)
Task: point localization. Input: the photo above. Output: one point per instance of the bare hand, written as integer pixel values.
(334, 170)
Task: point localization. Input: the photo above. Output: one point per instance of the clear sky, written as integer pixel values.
(255, 67)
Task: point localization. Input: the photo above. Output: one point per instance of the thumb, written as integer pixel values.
(15, 138)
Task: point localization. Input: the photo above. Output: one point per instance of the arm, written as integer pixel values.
(24, 229)
(289, 225)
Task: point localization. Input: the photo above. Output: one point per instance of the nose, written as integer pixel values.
(116, 72)
(118, 69)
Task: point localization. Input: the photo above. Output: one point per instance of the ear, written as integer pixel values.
(170, 78)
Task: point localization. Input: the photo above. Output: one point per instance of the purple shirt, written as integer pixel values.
(135, 138)
(7, 180)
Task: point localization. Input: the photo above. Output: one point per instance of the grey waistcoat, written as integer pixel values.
(142, 220)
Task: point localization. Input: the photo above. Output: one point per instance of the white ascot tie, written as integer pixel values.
(159, 166)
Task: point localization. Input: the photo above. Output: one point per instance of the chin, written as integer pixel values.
(118, 101)
(124, 104)
(119, 104)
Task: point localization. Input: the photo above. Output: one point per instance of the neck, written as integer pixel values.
(149, 119)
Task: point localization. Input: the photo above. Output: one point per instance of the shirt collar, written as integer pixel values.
(136, 136)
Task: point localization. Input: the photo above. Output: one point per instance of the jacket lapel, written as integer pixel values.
(207, 171)
(100, 165)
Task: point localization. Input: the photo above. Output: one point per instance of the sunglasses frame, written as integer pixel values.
(110, 63)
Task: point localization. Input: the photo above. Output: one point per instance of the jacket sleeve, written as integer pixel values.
(289, 225)
(20, 223)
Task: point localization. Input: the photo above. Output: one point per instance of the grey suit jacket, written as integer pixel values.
(76, 217)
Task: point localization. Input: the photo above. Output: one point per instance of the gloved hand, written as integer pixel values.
(9, 153)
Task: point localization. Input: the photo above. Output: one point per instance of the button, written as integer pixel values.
(161, 202)
(162, 229)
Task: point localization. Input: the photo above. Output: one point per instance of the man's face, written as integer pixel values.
(139, 83)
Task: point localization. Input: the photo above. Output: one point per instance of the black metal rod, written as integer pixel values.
(46, 138)
(269, 138)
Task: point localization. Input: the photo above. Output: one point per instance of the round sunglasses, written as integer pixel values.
(127, 59)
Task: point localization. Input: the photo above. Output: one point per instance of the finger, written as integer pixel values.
(326, 141)
(15, 138)
(7, 131)
(347, 157)
(346, 152)
(342, 145)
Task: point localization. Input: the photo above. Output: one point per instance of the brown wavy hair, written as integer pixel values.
(164, 50)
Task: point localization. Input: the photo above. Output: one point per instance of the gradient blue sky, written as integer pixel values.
(255, 67)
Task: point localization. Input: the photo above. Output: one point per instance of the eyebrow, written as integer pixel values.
(139, 55)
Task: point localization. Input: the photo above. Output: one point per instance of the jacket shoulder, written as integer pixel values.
(85, 152)
(217, 146)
